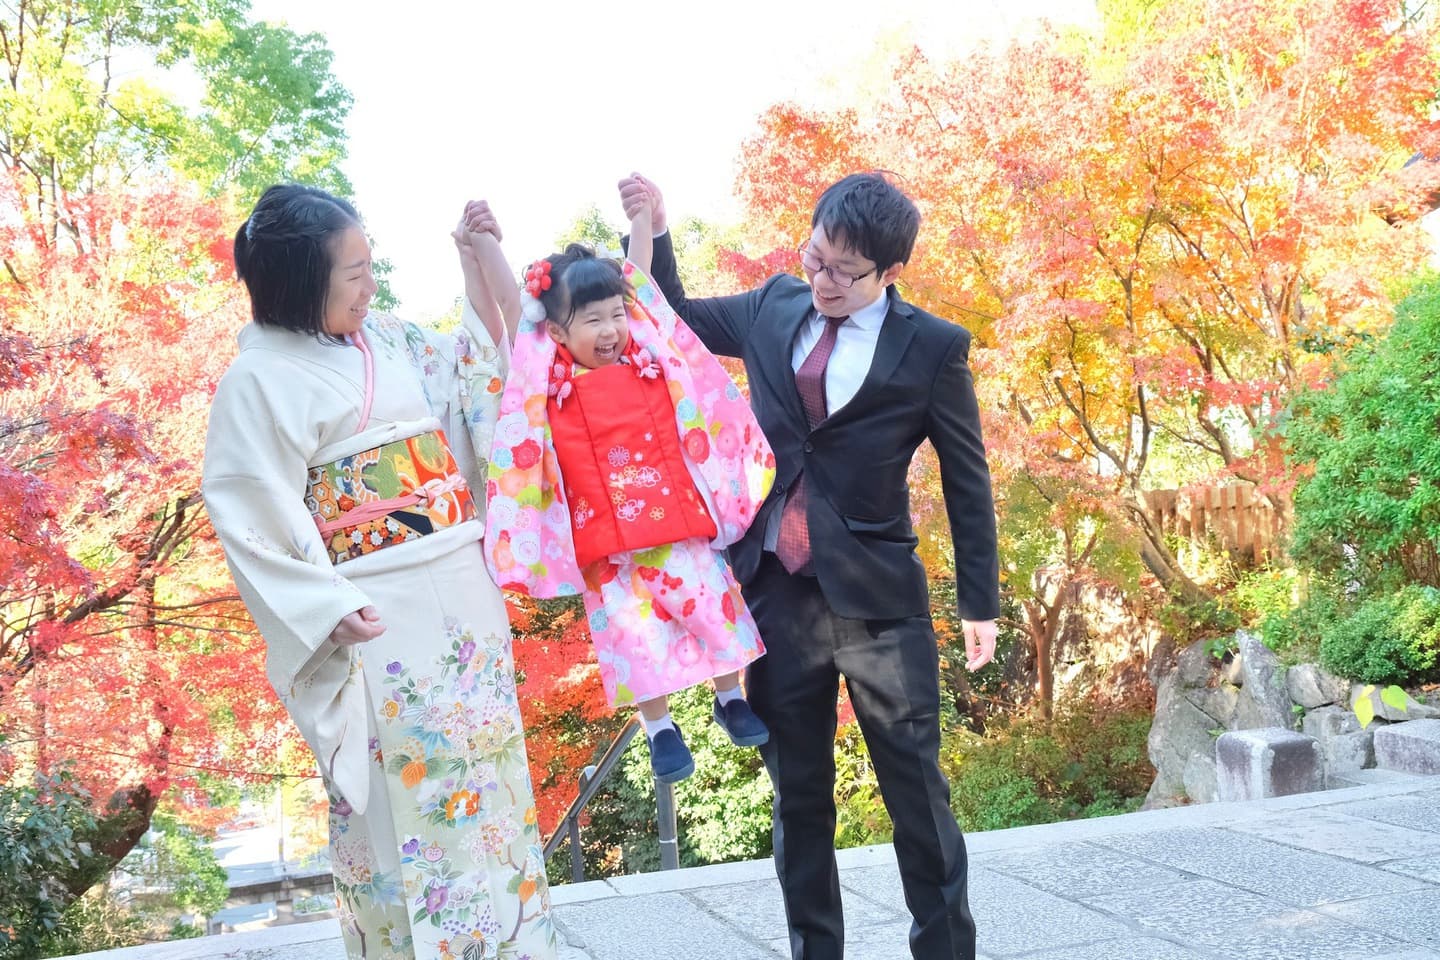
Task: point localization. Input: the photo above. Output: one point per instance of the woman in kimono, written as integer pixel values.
(342, 453)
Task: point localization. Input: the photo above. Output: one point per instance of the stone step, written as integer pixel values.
(1366, 778)
(1409, 747)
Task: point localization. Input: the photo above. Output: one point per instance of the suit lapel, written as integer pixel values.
(774, 363)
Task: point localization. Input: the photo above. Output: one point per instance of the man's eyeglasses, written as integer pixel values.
(813, 264)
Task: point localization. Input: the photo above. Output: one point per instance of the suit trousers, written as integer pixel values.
(891, 670)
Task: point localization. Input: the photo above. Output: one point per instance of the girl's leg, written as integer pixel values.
(654, 710)
(727, 688)
(734, 715)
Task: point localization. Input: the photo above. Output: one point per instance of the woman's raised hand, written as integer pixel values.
(361, 626)
(479, 218)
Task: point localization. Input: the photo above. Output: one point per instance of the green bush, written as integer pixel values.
(94, 922)
(45, 830)
(1366, 450)
(1393, 638)
(723, 808)
(1089, 761)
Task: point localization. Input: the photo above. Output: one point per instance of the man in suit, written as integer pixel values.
(846, 380)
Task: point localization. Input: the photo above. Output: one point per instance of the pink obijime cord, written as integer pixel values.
(427, 492)
(358, 339)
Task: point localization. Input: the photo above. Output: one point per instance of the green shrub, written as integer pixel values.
(1367, 452)
(95, 922)
(1089, 761)
(45, 830)
(1297, 632)
(1394, 638)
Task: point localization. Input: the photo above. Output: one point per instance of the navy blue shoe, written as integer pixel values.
(670, 759)
(740, 723)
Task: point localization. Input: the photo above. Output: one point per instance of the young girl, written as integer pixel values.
(625, 460)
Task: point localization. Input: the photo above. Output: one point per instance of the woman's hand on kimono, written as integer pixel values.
(361, 626)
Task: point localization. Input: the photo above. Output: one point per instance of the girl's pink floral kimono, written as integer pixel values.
(666, 616)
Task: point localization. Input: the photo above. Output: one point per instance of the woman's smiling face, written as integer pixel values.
(352, 284)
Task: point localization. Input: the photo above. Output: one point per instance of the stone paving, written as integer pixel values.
(1350, 874)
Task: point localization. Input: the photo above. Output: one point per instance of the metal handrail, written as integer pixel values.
(592, 778)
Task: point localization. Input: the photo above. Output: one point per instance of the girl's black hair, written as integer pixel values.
(284, 254)
(579, 277)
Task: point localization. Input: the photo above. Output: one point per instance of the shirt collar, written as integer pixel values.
(870, 318)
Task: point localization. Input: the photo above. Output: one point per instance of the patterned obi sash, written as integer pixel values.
(389, 494)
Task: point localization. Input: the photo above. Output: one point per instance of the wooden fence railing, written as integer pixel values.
(1232, 515)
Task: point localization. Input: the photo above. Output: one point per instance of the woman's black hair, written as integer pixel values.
(284, 254)
(579, 277)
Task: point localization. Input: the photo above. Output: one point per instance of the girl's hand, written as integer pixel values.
(361, 626)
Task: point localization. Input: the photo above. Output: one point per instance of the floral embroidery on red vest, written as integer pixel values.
(620, 458)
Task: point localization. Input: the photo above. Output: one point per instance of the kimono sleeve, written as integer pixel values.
(464, 374)
(256, 461)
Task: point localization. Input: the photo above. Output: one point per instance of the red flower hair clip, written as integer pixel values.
(537, 278)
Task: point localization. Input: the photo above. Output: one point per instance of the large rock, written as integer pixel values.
(1265, 701)
(1312, 687)
(1200, 778)
(1180, 730)
(1344, 746)
(1194, 666)
(1409, 747)
(1271, 762)
(1221, 702)
(1413, 709)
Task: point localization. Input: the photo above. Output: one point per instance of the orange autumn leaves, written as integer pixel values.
(1155, 233)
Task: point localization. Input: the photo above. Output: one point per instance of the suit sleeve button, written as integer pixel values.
(809, 447)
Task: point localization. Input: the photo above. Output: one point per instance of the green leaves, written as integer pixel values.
(1364, 705)
(42, 827)
(268, 106)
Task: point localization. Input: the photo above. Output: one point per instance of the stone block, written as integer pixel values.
(1268, 762)
(1410, 747)
(1312, 687)
(1200, 779)
(1344, 746)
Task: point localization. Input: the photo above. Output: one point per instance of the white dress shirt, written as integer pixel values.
(849, 364)
(854, 350)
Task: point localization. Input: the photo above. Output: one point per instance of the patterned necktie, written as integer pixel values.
(792, 546)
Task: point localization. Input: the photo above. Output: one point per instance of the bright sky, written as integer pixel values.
(530, 105)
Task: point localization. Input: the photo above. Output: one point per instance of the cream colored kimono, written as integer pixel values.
(418, 733)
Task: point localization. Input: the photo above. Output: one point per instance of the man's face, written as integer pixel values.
(824, 260)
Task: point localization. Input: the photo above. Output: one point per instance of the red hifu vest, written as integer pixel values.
(619, 451)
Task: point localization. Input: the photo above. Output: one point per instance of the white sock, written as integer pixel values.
(653, 727)
(734, 693)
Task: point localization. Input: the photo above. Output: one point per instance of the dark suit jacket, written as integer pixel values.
(857, 460)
